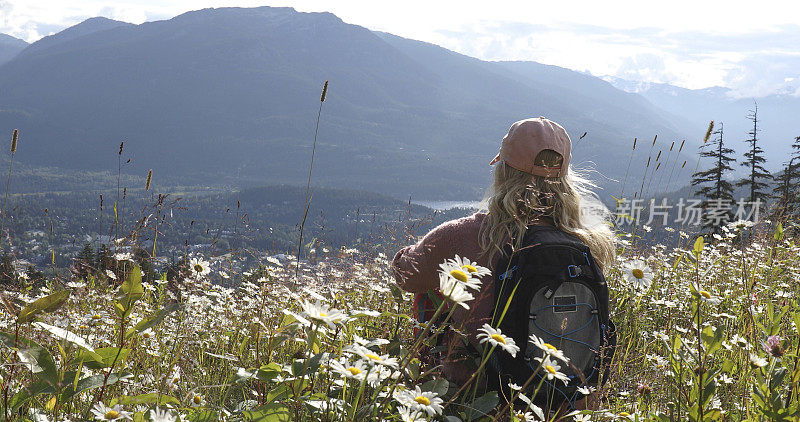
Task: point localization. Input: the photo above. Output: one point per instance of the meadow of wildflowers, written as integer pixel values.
(706, 331)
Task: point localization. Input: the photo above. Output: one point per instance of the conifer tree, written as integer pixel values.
(717, 193)
(759, 177)
(784, 193)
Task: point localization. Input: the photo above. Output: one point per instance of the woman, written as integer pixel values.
(533, 185)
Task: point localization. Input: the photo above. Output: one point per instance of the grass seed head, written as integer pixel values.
(324, 92)
(708, 132)
(14, 140)
(149, 178)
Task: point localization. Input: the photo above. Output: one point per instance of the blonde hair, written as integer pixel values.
(517, 199)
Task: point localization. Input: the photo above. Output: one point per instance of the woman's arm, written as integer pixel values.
(416, 267)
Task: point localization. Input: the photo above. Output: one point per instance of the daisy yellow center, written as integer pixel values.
(111, 414)
(146, 335)
(197, 399)
(422, 400)
(198, 268)
(624, 414)
(498, 338)
(459, 275)
(176, 379)
(550, 369)
(96, 316)
(638, 273)
(323, 314)
(373, 357)
(353, 370)
(705, 294)
(470, 268)
(550, 347)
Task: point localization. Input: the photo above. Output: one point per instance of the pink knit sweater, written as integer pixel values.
(416, 269)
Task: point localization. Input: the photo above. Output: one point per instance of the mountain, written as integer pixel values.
(87, 27)
(10, 47)
(231, 95)
(779, 115)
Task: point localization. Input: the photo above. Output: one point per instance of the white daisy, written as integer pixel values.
(372, 357)
(524, 416)
(418, 400)
(158, 415)
(453, 273)
(409, 415)
(740, 341)
(110, 274)
(638, 274)
(321, 313)
(496, 338)
(123, 256)
(706, 296)
(552, 369)
(102, 412)
(357, 370)
(199, 267)
(548, 348)
(453, 289)
(757, 361)
(470, 267)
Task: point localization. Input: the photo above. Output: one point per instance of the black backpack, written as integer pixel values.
(559, 295)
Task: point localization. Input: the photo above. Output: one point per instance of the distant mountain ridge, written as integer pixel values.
(10, 47)
(779, 114)
(230, 95)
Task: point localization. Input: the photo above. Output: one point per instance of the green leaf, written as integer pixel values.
(268, 372)
(153, 320)
(130, 291)
(273, 412)
(33, 356)
(779, 233)
(90, 383)
(396, 292)
(440, 386)
(712, 339)
(698, 246)
(483, 405)
(106, 355)
(310, 366)
(65, 335)
(28, 392)
(46, 304)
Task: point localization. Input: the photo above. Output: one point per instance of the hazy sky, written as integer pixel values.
(752, 47)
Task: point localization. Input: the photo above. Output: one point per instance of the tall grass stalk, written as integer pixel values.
(666, 163)
(648, 192)
(674, 164)
(646, 168)
(14, 136)
(308, 183)
(624, 180)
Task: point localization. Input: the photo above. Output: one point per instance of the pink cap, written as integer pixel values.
(527, 138)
